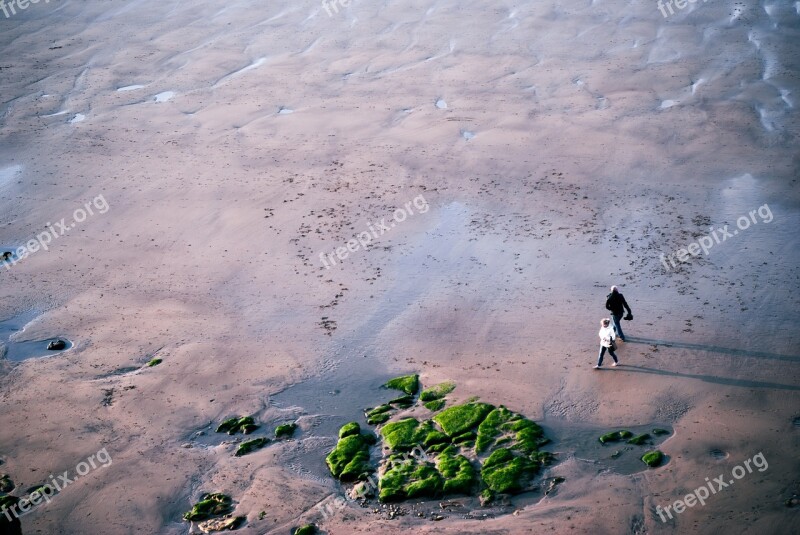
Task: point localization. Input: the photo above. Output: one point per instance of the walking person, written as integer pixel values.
(615, 302)
(606, 342)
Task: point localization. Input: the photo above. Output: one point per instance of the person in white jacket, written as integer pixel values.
(607, 336)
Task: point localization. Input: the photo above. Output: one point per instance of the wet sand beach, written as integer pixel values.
(271, 209)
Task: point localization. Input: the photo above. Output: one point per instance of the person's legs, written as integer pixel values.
(600, 357)
(613, 355)
(617, 327)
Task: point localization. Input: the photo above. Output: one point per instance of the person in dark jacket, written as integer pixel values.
(615, 302)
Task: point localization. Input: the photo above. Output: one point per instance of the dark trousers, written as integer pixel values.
(616, 319)
(603, 352)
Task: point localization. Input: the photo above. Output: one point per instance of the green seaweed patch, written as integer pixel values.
(308, 529)
(379, 419)
(460, 418)
(502, 426)
(435, 405)
(409, 478)
(504, 472)
(658, 431)
(407, 383)
(406, 434)
(349, 460)
(458, 473)
(653, 458)
(348, 429)
(379, 414)
(615, 436)
(210, 505)
(437, 392)
(250, 446)
(154, 362)
(640, 439)
(243, 424)
(285, 430)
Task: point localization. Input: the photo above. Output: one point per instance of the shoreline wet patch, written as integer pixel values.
(14, 351)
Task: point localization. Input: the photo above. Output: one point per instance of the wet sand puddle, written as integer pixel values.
(18, 351)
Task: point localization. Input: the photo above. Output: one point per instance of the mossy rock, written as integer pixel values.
(243, 424)
(409, 478)
(250, 446)
(349, 460)
(435, 437)
(351, 428)
(308, 529)
(658, 431)
(407, 383)
(504, 472)
(6, 484)
(210, 505)
(460, 418)
(469, 436)
(640, 439)
(379, 418)
(653, 458)
(504, 427)
(458, 473)
(285, 430)
(154, 362)
(615, 436)
(8, 502)
(228, 523)
(406, 434)
(437, 392)
(435, 405)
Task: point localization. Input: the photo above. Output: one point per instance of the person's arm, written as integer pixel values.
(625, 304)
(608, 302)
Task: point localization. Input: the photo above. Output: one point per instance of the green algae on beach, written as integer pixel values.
(653, 458)
(244, 424)
(154, 362)
(640, 439)
(437, 392)
(210, 505)
(251, 446)
(349, 460)
(615, 436)
(285, 430)
(308, 529)
(407, 383)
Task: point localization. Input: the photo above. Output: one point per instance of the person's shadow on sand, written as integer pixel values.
(715, 349)
(711, 378)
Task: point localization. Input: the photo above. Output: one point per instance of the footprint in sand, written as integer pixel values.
(441, 104)
(466, 134)
(285, 111)
(79, 117)
(129, 88)
(718, 455)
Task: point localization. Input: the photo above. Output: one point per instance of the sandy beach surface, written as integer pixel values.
(188, 180)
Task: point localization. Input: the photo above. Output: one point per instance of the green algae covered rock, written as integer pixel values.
(437, 392)
(407, 383)
(407, 434)
(349, 429)
(285, 430)
(410, 478)
(615, 436)
(237, 424)
(349, 460)
(250, 446)
(154, 362)
(6, 484)
(308, 529)
(504, 472)
(435, 405)
(456, 420)
(653, 458)
(458, 473)
(640, 439)
(210, 505)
